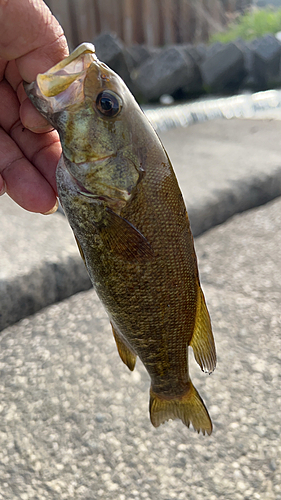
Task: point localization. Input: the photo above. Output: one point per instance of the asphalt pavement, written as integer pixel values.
(74, 421)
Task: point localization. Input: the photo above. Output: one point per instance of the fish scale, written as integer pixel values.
(123, 202)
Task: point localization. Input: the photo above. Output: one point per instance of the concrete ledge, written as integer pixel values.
(40, 263)
(225, 167)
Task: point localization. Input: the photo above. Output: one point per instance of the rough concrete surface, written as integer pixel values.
(74, 421)
(40, 263)
(225, 167)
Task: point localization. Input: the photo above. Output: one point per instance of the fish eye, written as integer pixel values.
(108, 103)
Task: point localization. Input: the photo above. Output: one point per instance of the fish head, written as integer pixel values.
(95, 115)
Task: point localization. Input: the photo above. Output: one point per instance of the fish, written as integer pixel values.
(121, 197)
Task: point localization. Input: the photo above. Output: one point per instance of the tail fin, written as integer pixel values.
(189, 408)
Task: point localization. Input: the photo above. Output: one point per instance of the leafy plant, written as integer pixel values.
(250, 25)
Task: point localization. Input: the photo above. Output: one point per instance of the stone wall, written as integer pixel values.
(185, 71)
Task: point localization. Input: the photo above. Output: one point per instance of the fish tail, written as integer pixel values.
(189, 408)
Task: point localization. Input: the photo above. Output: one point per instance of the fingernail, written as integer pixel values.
(41, 129)
(2, 186)
(53, 210)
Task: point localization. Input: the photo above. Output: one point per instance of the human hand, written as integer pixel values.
(31, 42)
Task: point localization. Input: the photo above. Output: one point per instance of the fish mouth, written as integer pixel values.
(62, 75)
(63, 82)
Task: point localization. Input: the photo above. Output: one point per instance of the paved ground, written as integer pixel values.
(225, 167)
(74, 421)
(40, 264)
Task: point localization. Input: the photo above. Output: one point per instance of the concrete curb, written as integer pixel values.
(243, 195)
(238, 106)
(40, 263)
(225, 167)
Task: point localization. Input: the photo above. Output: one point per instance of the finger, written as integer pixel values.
(43, 150)
(3, 66)
(10, 110)
(40, 42)
(2, 186)
(9, 106)
(26, 26)
(12, 75)
(32, 119)
(24, 183)
(42, 59)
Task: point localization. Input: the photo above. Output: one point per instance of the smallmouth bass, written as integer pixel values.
(122, 200)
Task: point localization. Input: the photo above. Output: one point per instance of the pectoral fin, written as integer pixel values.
(127, 356)
(202, 341)
(123, 238)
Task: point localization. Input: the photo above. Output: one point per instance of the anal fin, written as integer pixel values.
(127, 356)
(189, 408)
(202, 341)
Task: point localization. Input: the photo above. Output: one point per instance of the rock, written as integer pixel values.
(213, 49)
(184, 70)
(251, 80)
(196, 52)
(201, 50)
(111, 51)
(267, 52)
(223, 67)
(164, 73)
(136, 55)
(198, 55)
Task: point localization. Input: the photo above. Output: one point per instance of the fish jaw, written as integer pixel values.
(52, 90)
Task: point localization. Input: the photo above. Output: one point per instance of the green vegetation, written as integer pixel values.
(251, 25)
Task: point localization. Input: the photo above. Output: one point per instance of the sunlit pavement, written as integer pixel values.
(74, 421)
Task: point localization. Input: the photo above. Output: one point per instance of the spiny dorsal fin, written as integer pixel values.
(127, 356)
(202, 341)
